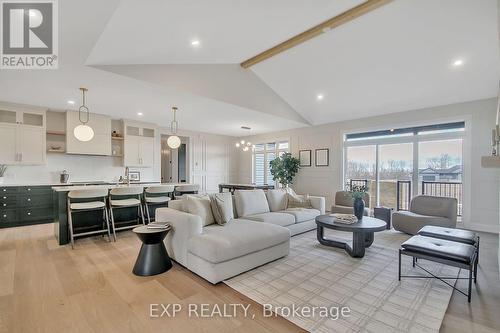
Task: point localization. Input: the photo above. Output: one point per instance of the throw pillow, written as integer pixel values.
(299, 201)
(222, 207)
(200, 206)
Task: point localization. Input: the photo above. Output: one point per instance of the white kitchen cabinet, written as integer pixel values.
(8, 149)
(139, 146)
(22, 135)
(31, 146)
(100, 143)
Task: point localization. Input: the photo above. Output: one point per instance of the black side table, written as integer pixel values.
(153, 258)
(384, 214)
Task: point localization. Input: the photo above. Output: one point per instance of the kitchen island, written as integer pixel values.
(88, 220)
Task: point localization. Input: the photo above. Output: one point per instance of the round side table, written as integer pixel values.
(153, 258)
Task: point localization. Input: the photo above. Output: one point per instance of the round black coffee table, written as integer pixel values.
(153, 258)
(362, 233)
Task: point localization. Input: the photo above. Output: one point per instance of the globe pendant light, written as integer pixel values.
(83, 132)
(174, 141)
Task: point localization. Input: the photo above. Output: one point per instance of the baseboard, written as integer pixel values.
(480, 227)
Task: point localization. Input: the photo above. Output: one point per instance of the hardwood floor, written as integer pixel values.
(48, 288)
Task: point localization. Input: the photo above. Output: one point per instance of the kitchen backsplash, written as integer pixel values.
(80, 167)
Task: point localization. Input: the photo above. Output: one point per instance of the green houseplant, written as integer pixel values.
(284, 168)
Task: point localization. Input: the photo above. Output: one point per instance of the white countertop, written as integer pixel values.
(110, 186)
(78, 183)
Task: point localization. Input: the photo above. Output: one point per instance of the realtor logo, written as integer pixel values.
(29, 34)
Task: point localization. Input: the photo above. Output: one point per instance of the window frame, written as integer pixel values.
(415, 139)
(277, 151)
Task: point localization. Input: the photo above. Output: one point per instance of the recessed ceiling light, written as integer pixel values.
(71, 102)
(139, 113)
(195, 42)
(319, 97)
(458, 62)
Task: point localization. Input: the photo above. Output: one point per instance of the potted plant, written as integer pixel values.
(284, 168)
(3, 168)
(358, 193)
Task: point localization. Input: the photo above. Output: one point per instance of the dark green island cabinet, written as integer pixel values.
(26, 205)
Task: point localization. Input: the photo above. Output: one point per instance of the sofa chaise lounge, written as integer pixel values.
(260, 233)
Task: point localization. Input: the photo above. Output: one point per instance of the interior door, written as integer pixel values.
(7, 144)
(31, 145)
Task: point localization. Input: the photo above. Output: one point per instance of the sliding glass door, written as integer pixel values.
(398, 164)
(395, 172)
(440, 169)
(360, 168)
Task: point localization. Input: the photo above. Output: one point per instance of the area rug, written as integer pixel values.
(313, 275)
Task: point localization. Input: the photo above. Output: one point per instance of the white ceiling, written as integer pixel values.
(396, 58)
(393, 59)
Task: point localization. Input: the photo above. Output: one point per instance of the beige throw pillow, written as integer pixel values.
(299, 201)
(200, 206)
(222, 207)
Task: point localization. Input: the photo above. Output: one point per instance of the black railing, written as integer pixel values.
(358, 182)
(445, 189)
(403, 194)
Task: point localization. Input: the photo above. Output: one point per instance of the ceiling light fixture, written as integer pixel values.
(320, 97)
(244, 145)
(174, 141)
(458, 62)
(71, 102)
(140, 113)
(195, 42)
(83, 132)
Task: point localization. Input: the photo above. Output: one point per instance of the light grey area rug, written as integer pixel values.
(316, 275)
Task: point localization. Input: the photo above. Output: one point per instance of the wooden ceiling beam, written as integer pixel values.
(332, 23)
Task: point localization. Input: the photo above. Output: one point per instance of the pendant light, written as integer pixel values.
(83, 132)
(174, 141)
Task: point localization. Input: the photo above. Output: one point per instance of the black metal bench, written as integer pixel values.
(447, 252)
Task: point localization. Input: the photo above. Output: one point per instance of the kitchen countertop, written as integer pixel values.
(82, 183)
(109, 186)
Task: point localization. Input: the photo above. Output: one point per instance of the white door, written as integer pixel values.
(31, 145)
(8, 144)
(146, 150)
(131, 155)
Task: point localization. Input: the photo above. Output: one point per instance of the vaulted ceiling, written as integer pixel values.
(137, 56)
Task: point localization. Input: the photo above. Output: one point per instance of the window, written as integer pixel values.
(263, 154)
(399, 163)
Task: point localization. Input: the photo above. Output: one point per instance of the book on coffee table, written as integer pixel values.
(159, 225)
(344, 218)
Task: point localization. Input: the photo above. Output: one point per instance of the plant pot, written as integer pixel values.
(359, 208)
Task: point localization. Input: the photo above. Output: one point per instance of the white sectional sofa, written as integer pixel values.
(260, 233)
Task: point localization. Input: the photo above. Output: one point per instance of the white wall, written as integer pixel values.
(481, 189)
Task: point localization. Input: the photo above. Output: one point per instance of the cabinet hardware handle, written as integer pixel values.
(5, 197)
(29, 213)
(29, 199)
(29, 189)
(4, 205)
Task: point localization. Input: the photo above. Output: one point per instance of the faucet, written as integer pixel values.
(126, 178)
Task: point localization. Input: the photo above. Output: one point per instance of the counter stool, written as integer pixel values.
(181, 190)
(130, 197)
(157, 195)
(89, 200)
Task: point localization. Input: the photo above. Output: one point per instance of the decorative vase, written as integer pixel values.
(359, 208)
